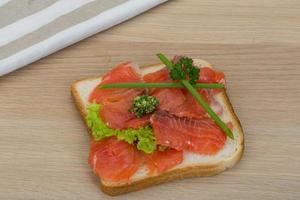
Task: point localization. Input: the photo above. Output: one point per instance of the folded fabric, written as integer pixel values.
(31, 30)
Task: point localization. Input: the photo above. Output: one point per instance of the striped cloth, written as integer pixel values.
(32, 29)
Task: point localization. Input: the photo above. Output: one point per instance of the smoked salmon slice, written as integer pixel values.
(209, 75)
(117, 102)
(169, 98)
(191, 108)
(136, 123)
(201, 136)
(124, 72)
(160, 161)
(116, 114)
(114, 160)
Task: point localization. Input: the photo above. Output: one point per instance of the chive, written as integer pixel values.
(208, 109)
(158, 85)
(199, 99)
(165, 60)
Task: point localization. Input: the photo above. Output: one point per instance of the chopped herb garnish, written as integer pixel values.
(143, 105)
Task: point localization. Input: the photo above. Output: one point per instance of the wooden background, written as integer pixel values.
(43, 142)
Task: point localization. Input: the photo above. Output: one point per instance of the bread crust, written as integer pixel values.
(173, 174)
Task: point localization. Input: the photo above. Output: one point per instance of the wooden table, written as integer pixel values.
(43, 142)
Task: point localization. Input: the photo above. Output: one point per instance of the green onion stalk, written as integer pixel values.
(159, 85)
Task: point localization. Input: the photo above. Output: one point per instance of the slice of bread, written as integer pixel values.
(193, 164)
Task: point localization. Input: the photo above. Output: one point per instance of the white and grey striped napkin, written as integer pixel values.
(33, 29)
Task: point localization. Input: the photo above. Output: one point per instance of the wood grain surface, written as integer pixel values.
(43, 142)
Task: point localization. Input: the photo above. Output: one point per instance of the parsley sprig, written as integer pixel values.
(185, 69)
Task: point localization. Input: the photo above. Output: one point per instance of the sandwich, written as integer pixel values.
(158, 123)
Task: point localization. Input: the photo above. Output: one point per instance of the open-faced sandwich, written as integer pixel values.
(158, 123)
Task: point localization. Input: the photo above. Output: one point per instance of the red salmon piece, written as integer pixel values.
(209, 75)
(124, 72)
(191, 108)
(114, 160)
(136, 123)
(201, 136)
(157, 76)
(168, 98)
(107, 96)
(117, 114)
(117, 102)
(159, 161)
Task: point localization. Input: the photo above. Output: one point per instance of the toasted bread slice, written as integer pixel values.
(193, 164)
